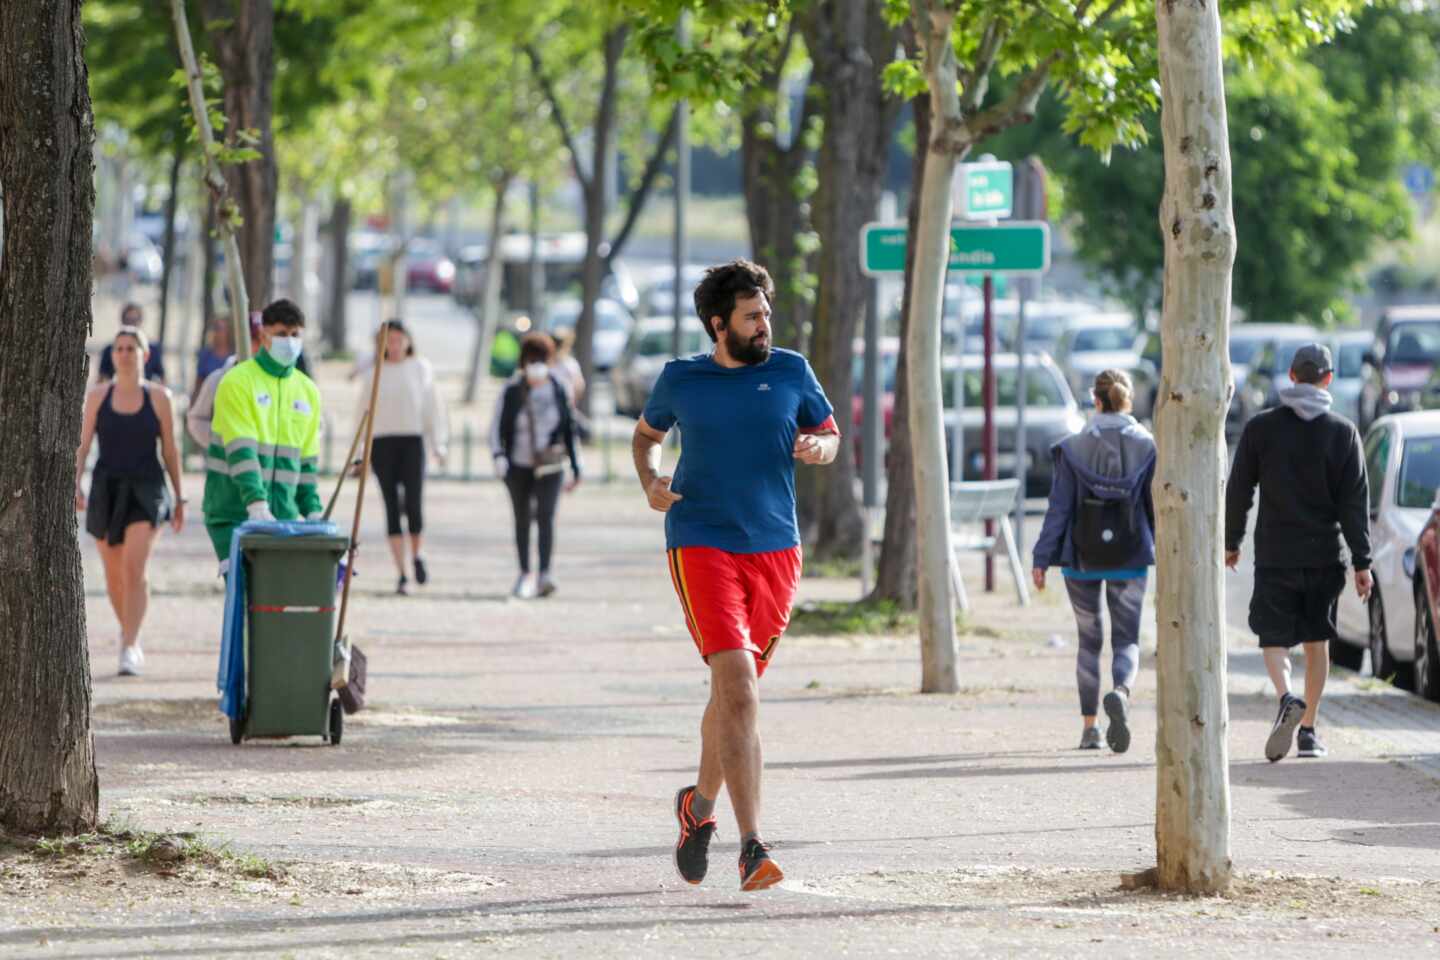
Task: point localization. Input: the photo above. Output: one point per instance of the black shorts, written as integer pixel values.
(1293, 605)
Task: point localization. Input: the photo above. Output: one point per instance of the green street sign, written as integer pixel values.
(1013, 247)
(984, 191)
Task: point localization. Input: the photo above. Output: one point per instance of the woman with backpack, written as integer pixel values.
(1100, 530)
(532, 437)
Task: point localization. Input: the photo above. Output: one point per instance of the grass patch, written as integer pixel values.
(162, 851)
(846, 568)
(836, 617)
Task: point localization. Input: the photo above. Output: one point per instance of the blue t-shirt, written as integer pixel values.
(737, 456)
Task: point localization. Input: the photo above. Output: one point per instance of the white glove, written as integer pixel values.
(259, 510)
(502, 466)
(315, 517)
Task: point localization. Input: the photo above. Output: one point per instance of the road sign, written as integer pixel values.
(1419, 179)
(1016, 247)
(984, 191)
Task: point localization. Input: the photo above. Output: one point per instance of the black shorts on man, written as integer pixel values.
(1295, 605)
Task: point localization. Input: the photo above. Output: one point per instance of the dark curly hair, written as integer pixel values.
(723, 285)
(282, 311)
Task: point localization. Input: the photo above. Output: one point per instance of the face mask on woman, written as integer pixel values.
(536, 373)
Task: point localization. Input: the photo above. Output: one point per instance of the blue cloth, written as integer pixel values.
(738, 425)
(1087, 464)
(1128, 573)
(230, 679)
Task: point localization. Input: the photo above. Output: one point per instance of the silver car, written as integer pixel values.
(649, 348)
(1093, 343)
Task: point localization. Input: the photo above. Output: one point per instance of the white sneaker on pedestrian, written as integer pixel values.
(546, 585)
(131, 660)
(522, 590)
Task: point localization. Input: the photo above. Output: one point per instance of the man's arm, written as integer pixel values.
(1239, 494)
(645, 447)
(1354, 503)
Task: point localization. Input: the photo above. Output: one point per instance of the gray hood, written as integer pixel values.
(1307, 400)
(1111, 453)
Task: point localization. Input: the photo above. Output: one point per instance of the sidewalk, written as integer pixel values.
(508, 791)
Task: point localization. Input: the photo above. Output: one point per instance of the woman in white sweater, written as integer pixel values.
(410, 422)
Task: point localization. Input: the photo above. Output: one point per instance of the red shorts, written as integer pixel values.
(736, 601)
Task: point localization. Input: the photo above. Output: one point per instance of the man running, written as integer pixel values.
(748, 413)
(264, 454)
(1310, 469)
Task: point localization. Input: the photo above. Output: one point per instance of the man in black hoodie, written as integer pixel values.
(1310, 469)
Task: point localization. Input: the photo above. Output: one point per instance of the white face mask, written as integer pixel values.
(536, 373)
(285, 350)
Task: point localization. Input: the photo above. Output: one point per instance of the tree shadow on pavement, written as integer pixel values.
(1383, 804)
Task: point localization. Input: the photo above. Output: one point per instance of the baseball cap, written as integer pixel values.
(1312, 361)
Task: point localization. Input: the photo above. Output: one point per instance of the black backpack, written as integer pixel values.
(1105, 533)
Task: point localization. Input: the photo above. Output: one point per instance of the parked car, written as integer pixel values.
(368, 250)
(1402, 460)
(1248, 346)
(648, 349)
(1400, 362)
(427, 267)
(1146, 375)
(1051, 415)
(889, 364)
(1268, 373)
(561, 258)
(659, 299)
(142, 258)
(1348, 349)
(1094, 342)
(612, 328)
(1425, 656)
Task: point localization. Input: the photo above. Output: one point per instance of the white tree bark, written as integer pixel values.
(936, 608)
(1192, 812)
(215, 180)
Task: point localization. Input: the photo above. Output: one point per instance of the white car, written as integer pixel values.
(649, 349)
(1093, 343)
(1402, 459)
(613, 324)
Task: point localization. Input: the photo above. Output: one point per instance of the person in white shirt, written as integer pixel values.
(410, 423)
(202, 407)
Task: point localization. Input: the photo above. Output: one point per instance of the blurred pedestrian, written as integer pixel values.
(264, 454)
(202, 406)
(216, 352)
(132, 316)
(410, 423)
(566, 367)
(1100, 529)
(128, 500)
(532, 435)
(1310, 468)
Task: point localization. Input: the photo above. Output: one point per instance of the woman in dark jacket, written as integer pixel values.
(1099, 528)
(535, 404)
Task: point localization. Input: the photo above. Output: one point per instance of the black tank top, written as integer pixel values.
(127, 441)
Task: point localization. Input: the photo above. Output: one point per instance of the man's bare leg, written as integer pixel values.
(735, 733)
(712, 774)
(1317, 669)
(1277, 664)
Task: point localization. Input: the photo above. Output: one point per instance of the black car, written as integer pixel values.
(1399, 366)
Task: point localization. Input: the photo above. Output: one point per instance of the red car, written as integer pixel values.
(1427, 608)
(426, 268)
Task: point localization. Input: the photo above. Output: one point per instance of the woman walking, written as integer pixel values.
(128, 500)
(1100, 529)
(532, 435)
(410, 423)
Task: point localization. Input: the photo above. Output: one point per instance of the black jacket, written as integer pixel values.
(513, 399)
(1311, 475)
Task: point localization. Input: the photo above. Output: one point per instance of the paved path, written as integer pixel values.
(508, 791)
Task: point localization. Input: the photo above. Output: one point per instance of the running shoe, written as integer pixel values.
(422, 572)
(131, 660)
(1282, 734)
(757, 870)
(1117, 708)
(522, 589)
(692, 850)
(403, 587)
(545, 586)
(1090, 738)
(1308, 743)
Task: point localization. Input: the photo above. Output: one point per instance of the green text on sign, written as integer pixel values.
(1021, 246)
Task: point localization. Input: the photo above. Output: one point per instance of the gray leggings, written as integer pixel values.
(1125, 598)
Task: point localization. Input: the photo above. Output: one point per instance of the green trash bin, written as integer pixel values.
(290, 637)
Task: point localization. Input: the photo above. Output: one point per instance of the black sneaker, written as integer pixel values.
(692, 850)
(1090, 738)
(757, 870)
(1308, 744)
(1117, 708)
(422, 572)
(403, 587)
(1282, 734)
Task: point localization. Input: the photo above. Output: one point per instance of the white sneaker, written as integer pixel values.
(522, 590)
(131, 660)
(546, 586)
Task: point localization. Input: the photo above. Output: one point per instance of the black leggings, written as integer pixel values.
(524, 487)
(400, 462)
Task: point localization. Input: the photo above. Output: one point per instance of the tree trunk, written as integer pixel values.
(488, 310)
(895, 571)
(167, 251)
(242, 33)
(777, 210)
(1192, 810)
(597, 207)
(336, 327)
(931, 240)
(47, 761)
(207, 245)
(849, 42)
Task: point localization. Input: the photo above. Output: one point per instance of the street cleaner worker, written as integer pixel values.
(264, 453)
